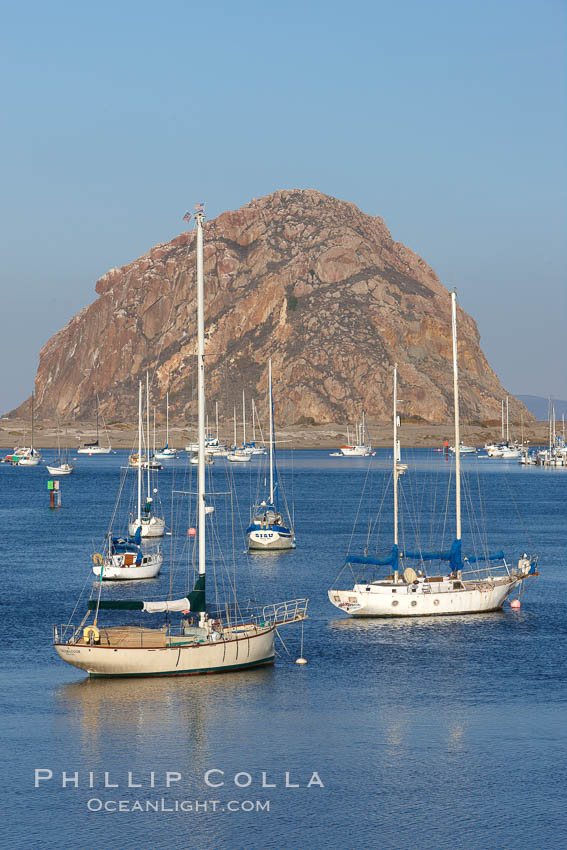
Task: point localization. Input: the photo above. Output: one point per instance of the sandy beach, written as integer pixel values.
(16, 432)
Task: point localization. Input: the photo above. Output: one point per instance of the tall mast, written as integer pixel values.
(167, 419)
(395, 454)
(140, 454)
(271, 432)
(502, 420)
(457, 426)
(97, 419)
(507, 422)
(253, 422)
(199, 216)
(235, 443)
(148, 429)
(243, 419)
(32, 400)
(217, 419)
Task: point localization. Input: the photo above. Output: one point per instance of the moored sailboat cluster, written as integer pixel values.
(202, 640)
(191, 634)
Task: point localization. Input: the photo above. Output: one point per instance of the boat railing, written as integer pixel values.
(285, 612)
(493, 569)
(66, 633)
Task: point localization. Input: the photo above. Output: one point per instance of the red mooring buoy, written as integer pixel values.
(515, 603)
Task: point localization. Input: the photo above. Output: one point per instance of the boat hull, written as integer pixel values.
(270, 539)
(360, 602)
(174, 660)
(153, 527)
(60, 470)
(94, 450)
(130, 572)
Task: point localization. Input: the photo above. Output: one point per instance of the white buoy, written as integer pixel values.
(301, 661)
(515, 603)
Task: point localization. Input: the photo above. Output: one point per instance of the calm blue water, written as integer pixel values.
(435, 733)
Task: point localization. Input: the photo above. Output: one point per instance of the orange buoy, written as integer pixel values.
(515, 603)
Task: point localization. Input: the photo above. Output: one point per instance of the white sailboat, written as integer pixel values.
(477, 583)
(145, 520)
(62, 466)
(239, 454)
(95, 448)
(216, 642)
(124, 560)
(268, 529)
(25, 455)
(361, 447)
(166, 453)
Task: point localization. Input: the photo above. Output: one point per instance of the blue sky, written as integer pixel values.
(446, 118)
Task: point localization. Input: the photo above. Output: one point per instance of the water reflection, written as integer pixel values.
(409, 625)
(181, 709)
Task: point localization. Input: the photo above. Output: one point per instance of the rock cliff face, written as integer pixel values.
(298, 276)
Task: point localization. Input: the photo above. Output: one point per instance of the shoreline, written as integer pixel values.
(14, 432)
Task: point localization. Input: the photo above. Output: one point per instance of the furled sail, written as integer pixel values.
(194, 602)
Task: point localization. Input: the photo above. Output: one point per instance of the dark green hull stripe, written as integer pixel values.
(183, 672)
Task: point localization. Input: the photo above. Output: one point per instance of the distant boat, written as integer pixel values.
(361, 448)
(475, 583)
(150, 524)
(62, 466)
(269, 529)
(167, 452)
(94, 448)
(464, 450)
(28, 456)
(239, 456)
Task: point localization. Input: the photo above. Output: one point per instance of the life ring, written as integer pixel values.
(97, 559)
(91, 630)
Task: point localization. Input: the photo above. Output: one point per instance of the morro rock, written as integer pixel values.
(298, 276)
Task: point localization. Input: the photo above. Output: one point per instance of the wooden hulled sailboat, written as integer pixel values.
(216, 641)
(475, 583)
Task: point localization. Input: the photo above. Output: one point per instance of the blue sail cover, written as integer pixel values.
(473, 559)
(390, 561)
(454, 556)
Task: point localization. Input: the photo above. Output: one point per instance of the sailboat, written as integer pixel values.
(268, 528)
(239, 455)
(123, 559)
(27, 456)
(167, 452)
(145, 520)
(62, 466)
(475, 583)
(360, 448)
(94, 448)
(218, 641)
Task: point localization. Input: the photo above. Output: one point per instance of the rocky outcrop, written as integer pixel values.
(298, 276)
